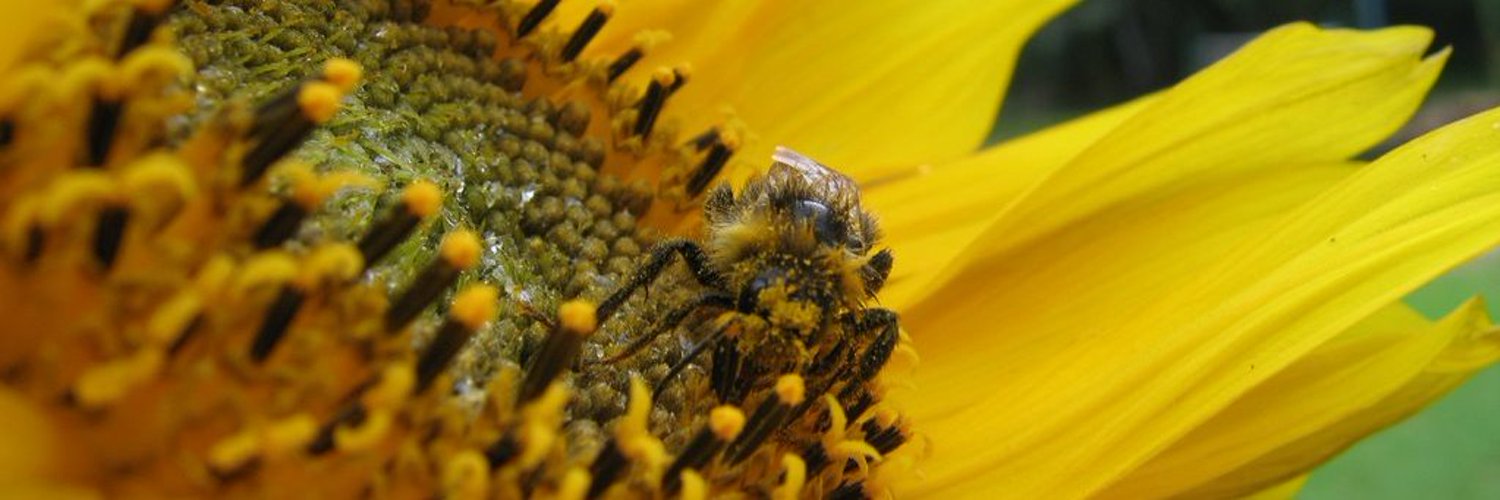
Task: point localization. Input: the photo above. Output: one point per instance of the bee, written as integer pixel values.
(792, 260)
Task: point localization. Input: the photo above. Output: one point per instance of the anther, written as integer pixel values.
(718, 156)
(472, 308)
(459, 250)
(587, 30)
(724, 423)
(108, 234)
(337, 262)
(316, 104)
(794, 474)
(144, 19)
(651, 103)
(708, 138)
(104, 120)
(577, 319)
(534, 17)
(308, 192)
(769, 416)
(623, 63)
(419, 200)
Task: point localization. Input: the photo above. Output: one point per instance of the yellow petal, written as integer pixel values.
(930, 214)
(1298, 94)
(21, 19)
(853, 83)
(1352, 373)
(1070, 389)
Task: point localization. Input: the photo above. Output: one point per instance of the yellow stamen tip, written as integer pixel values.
(396, 382)
(74, 190)
(422, 198)
(467, 475)
(461, 249)
(475, 305)
(319, 101)
(575, 484)
(234, 451)
(159, 173)
(367, 435)
(693, 486)
(342, 73)
(607, 7)
(790, 389)
(290, 435)
(796, 475)
(726, 422)
(335, 262)
(664, 76)
(578, 316)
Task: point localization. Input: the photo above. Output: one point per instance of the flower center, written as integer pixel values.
(363, 243)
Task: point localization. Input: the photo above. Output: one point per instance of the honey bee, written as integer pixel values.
(792, 259)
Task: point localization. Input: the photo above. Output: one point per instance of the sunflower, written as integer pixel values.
(318, 248)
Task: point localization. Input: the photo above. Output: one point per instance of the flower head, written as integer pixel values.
(425, 248)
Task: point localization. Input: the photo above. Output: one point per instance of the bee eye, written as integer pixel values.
(825, 226)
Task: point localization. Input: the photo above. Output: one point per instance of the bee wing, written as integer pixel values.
(826, 179)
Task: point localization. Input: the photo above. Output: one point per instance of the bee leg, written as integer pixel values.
(712, 340)
(887, 327)
(692, 254)
(672, 320)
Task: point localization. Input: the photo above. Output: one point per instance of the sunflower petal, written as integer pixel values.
(1297, 94)
(1247, 447)
(1070, 389)
(932, 214)
(849, 82)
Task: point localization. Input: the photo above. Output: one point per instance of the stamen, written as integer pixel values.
(577, 319)
(718, 156)
(650, 105)
(768, 417)
(575, 483)
(459, 250)
(693, 486)
(623, 63)
(794, 474)
(472, 308)
(104, 120)
(109, 233)
(708, 138)
(419, 200)
(535, 16)
(316, 104)
(308, 192)
(144, 19)
(466, 475)
(330, 263)
(724, 423)
(587, 30)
